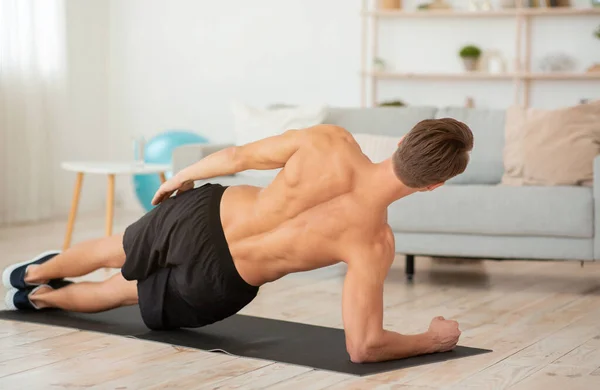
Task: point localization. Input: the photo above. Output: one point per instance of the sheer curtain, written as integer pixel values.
(32, 98)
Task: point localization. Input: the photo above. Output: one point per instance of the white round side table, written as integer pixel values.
(111, 169)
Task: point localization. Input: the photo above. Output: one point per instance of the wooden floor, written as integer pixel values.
(541, 319)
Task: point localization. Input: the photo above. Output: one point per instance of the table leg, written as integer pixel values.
(110, 204)
(73, 212)
(162, 177)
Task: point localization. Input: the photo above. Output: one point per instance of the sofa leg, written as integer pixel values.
(410, 267)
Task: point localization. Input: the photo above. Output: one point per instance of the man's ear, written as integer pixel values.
(399, 142)
(434, 186)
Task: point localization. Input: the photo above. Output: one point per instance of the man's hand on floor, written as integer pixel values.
(445, 333)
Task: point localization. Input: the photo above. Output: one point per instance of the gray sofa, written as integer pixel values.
(473, 215)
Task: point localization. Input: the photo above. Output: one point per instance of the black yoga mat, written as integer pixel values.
(282, 341)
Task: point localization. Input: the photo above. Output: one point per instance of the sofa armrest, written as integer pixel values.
(186, 155)
(596, 190)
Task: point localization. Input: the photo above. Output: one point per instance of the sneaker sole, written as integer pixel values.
(8, 270)
(9, 299)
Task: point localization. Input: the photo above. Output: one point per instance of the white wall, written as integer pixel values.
(85, 136)
(181, 64)
(178, 64)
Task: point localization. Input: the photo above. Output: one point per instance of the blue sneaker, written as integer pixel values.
(16, 299)
(14, 275)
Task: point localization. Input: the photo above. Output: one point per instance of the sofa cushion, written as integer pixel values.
(392, 121)
(552, 147)
(497, 210)
(497, 247)
(486, 166)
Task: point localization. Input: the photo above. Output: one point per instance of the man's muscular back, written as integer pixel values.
(311, 216)
(329, 204)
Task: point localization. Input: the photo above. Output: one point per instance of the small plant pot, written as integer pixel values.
(470, 63)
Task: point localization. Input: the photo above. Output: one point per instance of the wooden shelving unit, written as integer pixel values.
(521, 78)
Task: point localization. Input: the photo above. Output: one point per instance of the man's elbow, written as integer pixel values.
(359, 355)
(362, 351)
(237, 157)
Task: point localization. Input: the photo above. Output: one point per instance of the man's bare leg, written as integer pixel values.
(88, 297)
(79, 260)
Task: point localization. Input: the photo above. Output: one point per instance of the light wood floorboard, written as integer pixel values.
(542, 319)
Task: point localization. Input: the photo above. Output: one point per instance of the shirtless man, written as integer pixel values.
(200, 256)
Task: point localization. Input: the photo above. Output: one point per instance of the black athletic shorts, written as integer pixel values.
(178, 254)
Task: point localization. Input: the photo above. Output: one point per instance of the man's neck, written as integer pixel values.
(384, 187)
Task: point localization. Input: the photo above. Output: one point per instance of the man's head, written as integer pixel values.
(435, 150)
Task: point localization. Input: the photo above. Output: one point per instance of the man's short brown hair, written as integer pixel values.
(435, 150)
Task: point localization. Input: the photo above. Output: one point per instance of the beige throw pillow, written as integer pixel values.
(551, 147)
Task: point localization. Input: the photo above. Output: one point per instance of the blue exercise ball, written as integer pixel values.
(159, 150)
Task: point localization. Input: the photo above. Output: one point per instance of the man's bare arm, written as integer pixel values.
(366, 339)
(268, 153)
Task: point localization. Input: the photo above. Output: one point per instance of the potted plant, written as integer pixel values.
(470, 55)
(378, 65)
(392, 103)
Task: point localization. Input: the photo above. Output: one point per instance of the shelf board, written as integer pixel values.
(443, 76)
(562, 76)
(559, 11)
(440, 13)
(484, 76)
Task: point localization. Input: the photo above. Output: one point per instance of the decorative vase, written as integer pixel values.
(390, 4)
(439, 4)
(485, 5)
(557, 62)
(506, 4)
(493, 62)
(470, 63)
